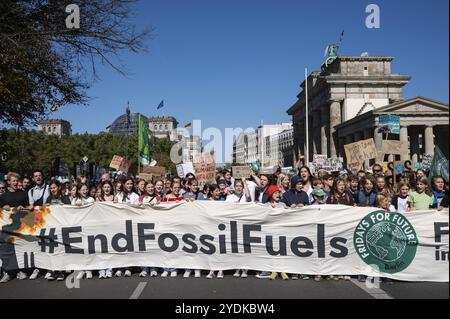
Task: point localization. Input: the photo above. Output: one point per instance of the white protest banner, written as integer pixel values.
(319, 158)
(184, 169)
(240, 172)
(360, 151)
(325, 240)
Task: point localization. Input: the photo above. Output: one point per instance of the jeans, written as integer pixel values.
(149, 269)
(170, 269)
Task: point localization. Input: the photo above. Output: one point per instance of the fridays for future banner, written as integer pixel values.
(328, 239)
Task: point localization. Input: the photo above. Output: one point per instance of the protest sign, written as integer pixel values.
(205, 168)
(217, 235)
(154, 170)
(332, 164)
(146, 177)
(427, 159)
(240, 172)
(184, 169)
(391, 124)
(116, 162)
(394, 148)
(125, 166)
(360, 151)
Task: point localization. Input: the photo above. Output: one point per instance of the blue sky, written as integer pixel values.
(235, 63)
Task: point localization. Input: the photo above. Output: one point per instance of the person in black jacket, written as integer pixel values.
(295, 197)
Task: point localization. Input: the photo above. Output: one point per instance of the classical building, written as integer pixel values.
(423, 124)
(121, 125)
(55, 127)
(164, 127)
(354, 89)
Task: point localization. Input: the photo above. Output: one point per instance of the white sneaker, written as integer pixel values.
(21, 275)
(35, 274)
(127, 273)
(5, 279)
(165, 274)
(220, 274)
(101, 274)
(108, 274)
(187, 274)
(153, 273)
(80, 275)
(173, 274)
(119, 273)
(237, 273)
(197, 273)
(294, 277)
(89, 274)
(48, 274)
(210, 275)
(346, 277)
(143, 274)
(244, 273)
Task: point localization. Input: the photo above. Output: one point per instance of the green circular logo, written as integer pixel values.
(387, 240)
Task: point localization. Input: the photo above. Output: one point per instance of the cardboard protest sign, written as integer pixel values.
(146, 177)
(427, 159)
(125, 165)
(360, 151)
(240, 172)
(154, 170)
(116, 162)
(184, 169)
(394, 148)
(205, 168)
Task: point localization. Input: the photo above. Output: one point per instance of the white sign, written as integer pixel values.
(184, 169)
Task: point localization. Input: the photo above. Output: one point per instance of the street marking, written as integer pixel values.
(139, 289)
(377, 293)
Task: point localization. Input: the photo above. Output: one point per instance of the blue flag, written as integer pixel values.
(161, 105)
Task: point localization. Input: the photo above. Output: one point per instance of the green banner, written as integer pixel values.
(144, 147)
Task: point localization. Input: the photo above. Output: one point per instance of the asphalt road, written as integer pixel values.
(227, 288)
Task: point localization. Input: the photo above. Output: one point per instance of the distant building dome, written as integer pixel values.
(119, 126)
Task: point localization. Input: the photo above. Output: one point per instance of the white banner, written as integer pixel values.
(328, 239)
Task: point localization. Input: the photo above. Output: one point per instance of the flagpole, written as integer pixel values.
(306, 118)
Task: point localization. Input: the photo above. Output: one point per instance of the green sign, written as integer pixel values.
(390, 123)
(386, 241)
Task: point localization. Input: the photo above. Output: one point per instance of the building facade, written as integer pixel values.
(283, 148)
(55, 127)
(348, 87)
(164, 127)
(345, 100)
(192, 145)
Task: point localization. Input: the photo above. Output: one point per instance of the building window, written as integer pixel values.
(54, 129)
(167, 127)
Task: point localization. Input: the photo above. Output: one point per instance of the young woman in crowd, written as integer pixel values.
(420, 173)
(295, 197)
(261, 195)
(284, 183)
(353, 186)
(400, 201)
(383, 202)
(422, 198)
(193, 191)
(367, 196)
(72, 190)
(438, 190)
(381, 185)
(174, 195)
(339, 194)
(167, 186)
(306, 176)
(150, 196)
(140, 187)
(328, 181)
(93, 191)
(118, 187)
(83, 196)
(241, 193)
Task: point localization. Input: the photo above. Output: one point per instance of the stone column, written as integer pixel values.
(366, 135)
(323, 130)
(335, 120)
(429, 140)
(404, 138)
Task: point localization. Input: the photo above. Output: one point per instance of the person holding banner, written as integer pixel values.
(193, 191)
(83, 196)
(284, 183)
(241, 193)
(339, 194)
(140, 187)
(127, 194)
(174, 195)
(262, 195)
(295, 197)
(306, 177)
(381, 186)
(150, 197)
(400, 201)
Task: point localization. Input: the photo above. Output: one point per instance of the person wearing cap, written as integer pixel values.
(295, 197)
(319, 196)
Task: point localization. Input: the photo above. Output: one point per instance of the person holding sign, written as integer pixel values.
(422, 198)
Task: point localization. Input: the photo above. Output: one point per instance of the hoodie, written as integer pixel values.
(293, 196)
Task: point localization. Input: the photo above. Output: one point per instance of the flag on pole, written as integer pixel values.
(161, 105)
(144, 146)
(439, 165)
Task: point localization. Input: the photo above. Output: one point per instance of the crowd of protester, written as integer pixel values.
(412, 191)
